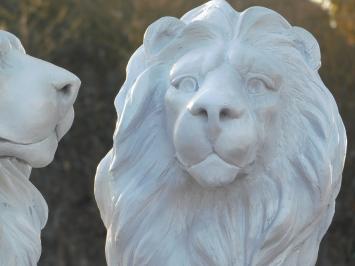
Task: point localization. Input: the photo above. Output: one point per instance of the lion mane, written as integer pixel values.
(23, 210)
(156, 215)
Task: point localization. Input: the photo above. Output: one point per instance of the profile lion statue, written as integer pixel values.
(228, 149)
(36, 110)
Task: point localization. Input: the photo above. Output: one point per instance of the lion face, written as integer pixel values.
(36, 106)
(218, 114)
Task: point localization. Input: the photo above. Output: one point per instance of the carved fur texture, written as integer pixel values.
(157, 214)
(23, 214)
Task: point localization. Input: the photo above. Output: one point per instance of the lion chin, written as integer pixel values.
(228, 149)
(214, 172)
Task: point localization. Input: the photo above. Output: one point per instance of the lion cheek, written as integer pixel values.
(190, 141)
(238, 145)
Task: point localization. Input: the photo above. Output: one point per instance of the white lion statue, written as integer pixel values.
(36, 110)
(228, 149)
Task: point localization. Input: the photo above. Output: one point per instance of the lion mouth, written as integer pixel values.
(55, 132)
(213, 171)
(60, 129)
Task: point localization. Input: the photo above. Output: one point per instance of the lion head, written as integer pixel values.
(228, 149)
(36, 110)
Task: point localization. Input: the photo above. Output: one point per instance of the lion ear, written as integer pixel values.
(308, 46)
(160, 34)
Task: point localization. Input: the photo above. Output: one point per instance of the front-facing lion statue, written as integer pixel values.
(36, 110)
(228, 149)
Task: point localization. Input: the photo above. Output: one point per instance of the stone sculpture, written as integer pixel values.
(36, 110)
(228, 149)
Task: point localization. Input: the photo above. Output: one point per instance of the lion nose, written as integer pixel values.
(215, 110)
(67, 86)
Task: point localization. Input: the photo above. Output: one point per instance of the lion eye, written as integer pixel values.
(257, 86)
(187, 84)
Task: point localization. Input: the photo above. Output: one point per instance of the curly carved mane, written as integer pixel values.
(23, 214)
(156, 214)
(23, 211)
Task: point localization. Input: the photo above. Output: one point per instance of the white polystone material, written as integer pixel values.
(36, 110)
(228, 149)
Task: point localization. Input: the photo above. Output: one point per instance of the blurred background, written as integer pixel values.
(94, 39)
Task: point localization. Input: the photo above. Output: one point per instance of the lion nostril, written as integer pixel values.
(224, 114)
(230, 113)
(202, 112)
(199, 111)
(66, 86)
(66, 89)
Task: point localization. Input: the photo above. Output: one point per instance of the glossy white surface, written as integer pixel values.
(36, 110)
(228, 148)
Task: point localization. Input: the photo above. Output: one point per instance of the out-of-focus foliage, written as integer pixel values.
(342, 16)
(54, 29)
(94, 39)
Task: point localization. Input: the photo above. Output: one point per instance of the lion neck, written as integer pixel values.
(23, 213)
(181, 223)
